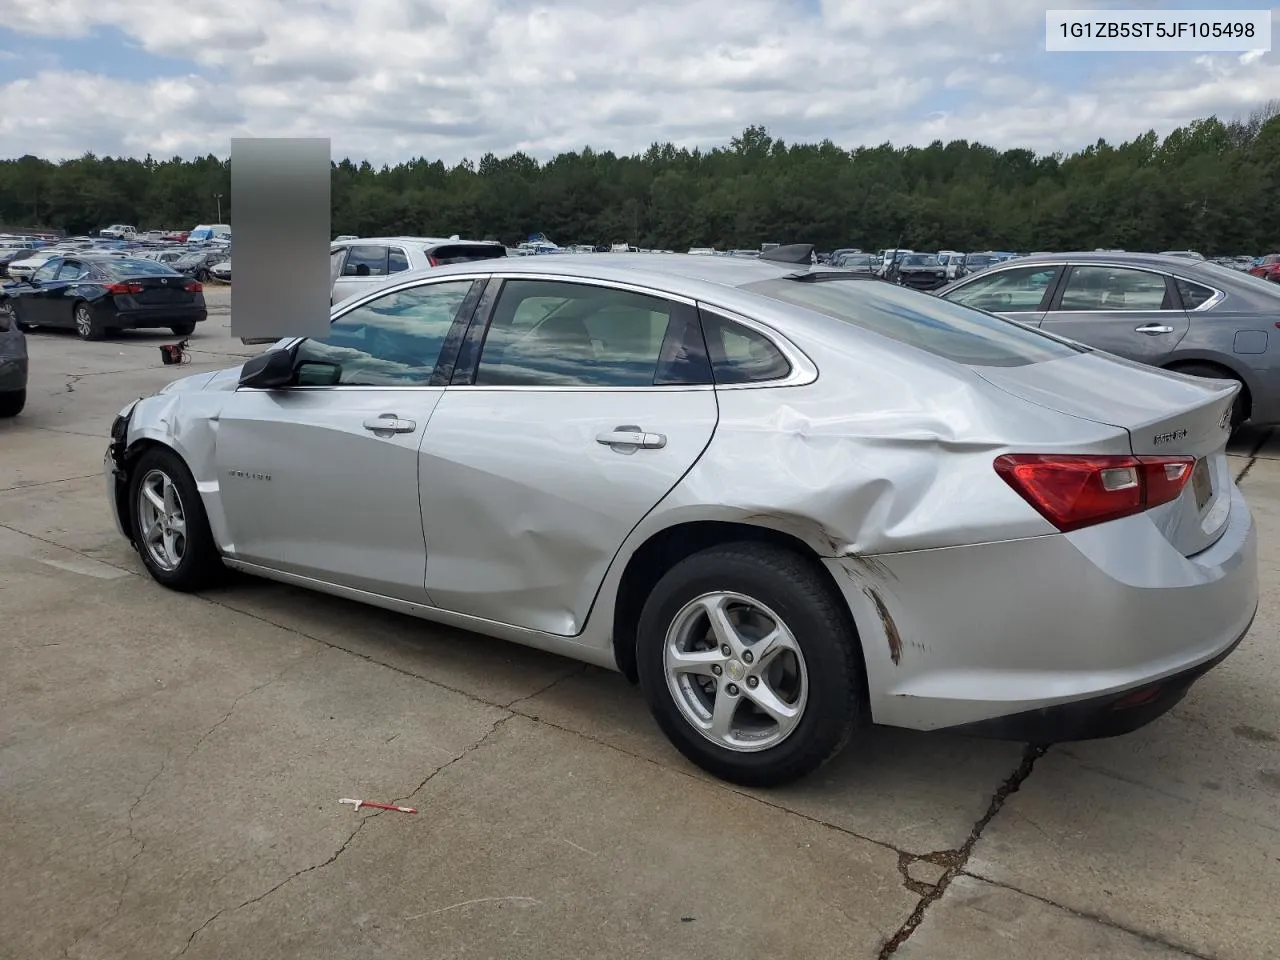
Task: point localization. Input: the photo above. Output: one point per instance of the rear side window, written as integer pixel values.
(919, 320)
(739, 354)
(397, 262)
(1193, 294)
(365, 261)
(464, 253)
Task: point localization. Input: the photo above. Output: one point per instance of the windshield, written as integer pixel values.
(854, 260)
(949, 330)
(919, 260)
(978, 260)
(135, 267)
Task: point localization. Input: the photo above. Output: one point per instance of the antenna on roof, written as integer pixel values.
(791, 253)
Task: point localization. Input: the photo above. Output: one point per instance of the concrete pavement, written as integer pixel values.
(170, 768)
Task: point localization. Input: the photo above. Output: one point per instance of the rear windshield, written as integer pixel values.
(466, 252)
(945, 329)
(135, 267)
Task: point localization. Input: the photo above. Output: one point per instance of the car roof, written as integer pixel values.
(427, 240)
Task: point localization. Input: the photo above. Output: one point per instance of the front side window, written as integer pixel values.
(393, 341)
(365, 261)
(1016, 290)
(1095, 288)
(552, 333)
(47, 270)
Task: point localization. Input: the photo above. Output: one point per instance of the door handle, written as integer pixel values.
(629, 436)
(1151, 329)
(390, 423)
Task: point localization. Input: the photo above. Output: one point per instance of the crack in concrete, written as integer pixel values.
(1096, 918)
(61, 546)
(1253, 454)
(248, 693)
(31, 485)
(373, 815)
(581, 669)
(955, 860)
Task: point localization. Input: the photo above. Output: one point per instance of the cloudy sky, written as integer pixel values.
(391, 79)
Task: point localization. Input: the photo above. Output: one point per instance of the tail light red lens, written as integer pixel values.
(193, 286)
(1073, 491)
(433, 261)
(124, 288)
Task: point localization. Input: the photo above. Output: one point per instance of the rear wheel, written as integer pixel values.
(86, 326)
(12, 402)
(170, 527)
(1240, 408)
(749, 663)
(183, 329)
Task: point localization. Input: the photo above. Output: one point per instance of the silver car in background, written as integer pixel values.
(1190, 316)
(784, 499)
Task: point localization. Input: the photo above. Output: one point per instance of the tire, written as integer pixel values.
(185, 563)
(86, 326)
(12, 402)
(202, 276)
(183, 329)
(790, 590)
(1210, 372)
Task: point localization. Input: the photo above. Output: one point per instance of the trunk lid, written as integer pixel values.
(153, 291)
(1165, 414)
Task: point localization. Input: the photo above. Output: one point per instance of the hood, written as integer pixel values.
(227, 379)
(196, 381)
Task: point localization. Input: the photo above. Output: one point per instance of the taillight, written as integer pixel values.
(124, 288)
(1072, 491)
(433, 261)
(193, 287)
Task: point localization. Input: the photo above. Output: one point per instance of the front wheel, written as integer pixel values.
(749, 662)
(12, 402)
(170, 527)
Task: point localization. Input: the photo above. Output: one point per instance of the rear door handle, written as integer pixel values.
(390, 423)
(1153, 328)
(629, 436)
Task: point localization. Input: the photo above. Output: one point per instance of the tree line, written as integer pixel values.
(1211, 186)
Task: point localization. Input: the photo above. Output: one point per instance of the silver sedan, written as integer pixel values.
(785, 500)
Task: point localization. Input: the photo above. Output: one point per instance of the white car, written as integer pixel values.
(222, 271)
(357, 266)
(119, 231)
(24, 268)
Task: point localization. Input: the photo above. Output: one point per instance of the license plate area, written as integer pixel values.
(1202, 484)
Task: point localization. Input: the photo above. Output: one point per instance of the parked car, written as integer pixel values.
(357, 266)
(198, 263)
(1267, 268)
(920, 271)
(878, 553)
(975, 262)
(22, 267)
(854, 262)
(221, 271)
(206, 232)
(97, 296)
(119, 231)
(1184, 254)
(1189, 316)
(13, 361)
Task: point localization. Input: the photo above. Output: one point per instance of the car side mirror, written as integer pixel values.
(319, 373)
(32, 282)
(268, 371)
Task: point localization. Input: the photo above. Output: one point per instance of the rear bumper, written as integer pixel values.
(145, 317)
(1056, 637)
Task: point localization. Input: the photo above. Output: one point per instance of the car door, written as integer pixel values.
(60, 295)
(364, 267)
(1016, 293)
(34, 304)
(569, 424)
(320, 478)
(1129, 311)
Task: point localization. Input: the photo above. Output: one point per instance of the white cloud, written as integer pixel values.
(386, 79)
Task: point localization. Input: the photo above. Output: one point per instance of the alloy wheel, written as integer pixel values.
(84, 322)
(162, 520)
(735, 672)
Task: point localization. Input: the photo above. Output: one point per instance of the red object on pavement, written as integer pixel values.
(377, 806)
